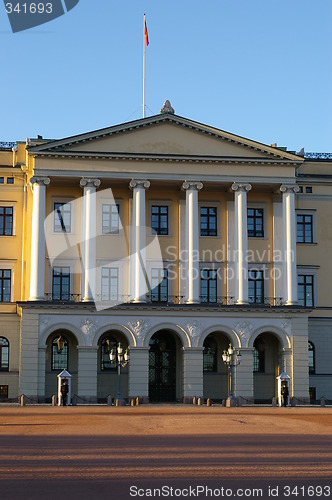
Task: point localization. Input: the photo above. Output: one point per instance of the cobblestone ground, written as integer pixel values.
(123, 453)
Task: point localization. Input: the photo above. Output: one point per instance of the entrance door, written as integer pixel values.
(162, 368)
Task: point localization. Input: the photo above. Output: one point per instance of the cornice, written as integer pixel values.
(164, 157)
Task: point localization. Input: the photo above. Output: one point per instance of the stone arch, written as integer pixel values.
(62, 326)
(233, 336)
(120, 328)
(176, 329)
(278, 332)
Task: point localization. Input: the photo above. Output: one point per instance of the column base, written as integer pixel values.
(192, 301)
(139, 301)
(242, 302)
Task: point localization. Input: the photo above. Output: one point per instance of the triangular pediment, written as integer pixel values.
(163, 135)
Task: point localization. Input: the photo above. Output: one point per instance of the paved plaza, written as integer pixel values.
(123, 453)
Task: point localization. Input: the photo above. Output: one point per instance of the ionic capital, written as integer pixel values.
(241, 186)
(284, 188)
(187, 185)
(87, 182)
(139, 184)
(40, 180)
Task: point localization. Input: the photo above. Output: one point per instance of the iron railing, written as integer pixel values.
(70, 297)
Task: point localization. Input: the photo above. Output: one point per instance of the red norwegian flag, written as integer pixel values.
(146, 34)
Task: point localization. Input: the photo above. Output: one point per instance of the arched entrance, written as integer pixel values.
(107, 376)
(266, 367)
(164, 367)
(215, 372)
(61, 354)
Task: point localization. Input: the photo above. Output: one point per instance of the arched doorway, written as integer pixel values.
(215, 372)
(61, 354)
(107, 376)
(266, 367)
(164, 367)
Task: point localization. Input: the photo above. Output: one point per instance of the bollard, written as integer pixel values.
(132, 402)
(23, 400)
(199, 401)
(137, 401)
(322, 401)
(194, 401)
(208, 402)
(54, 401)
(274, 402)
(109, 400)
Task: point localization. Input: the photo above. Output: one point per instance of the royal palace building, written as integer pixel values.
(175, 240)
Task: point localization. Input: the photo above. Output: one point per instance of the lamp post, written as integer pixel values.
(231, 358)
(120, 360)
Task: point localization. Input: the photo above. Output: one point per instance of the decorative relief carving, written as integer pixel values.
(139, 327)
(89, 326)
(195, 328)
(85, 182)
(244, 329)
(237, 186)
(45, 323)
(285, 324)
(192, 185)
(139, 184)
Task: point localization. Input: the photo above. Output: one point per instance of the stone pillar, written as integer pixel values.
(192, 372)
(37, 271)
(41, 372)
(300, 372)
(29, 360)
(139, 372)
(279, 282)
(138, 235)
(241, 242)
(89, 237)
(192, 241)
(87, 373)
(289, 223)
(244, 378)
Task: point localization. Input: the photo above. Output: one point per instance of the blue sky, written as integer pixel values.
(257, 68)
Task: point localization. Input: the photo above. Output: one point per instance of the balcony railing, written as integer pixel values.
(171, 300)
(66, 297)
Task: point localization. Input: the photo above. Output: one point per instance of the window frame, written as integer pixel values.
(208, 217)
(305, 284)
(255, 281)
(254, 207)
(110, 278)
(65, 366)
(312, 366)
(259, 356)
(159, 215)
(159, 296)
(210, 367)
(62, 202)
(2, 287)
(209, 280)
(61, 266)
(4, 368)
(112, 231)
(312, 213)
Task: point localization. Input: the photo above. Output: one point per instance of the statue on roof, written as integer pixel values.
(167, 108)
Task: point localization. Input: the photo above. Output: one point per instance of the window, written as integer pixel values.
(208, 286)
(62, 217)
(110, 219)
(10, 180)
(109, 284)
(304, 228)
(305, 290)
(255, 223)
(210, 355)
(107, 345)
(2, 180)
(60, 353)
(300, 189)
(208, 221)
(159, 219)
(256, 286)
(4, 354)
(6, 221)
(3, 392)
(311, 352)
(159, 285)
(259, 356)
(308, 189)
(5, 285)
(61, 283)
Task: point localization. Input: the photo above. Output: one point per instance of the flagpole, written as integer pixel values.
(144, 67)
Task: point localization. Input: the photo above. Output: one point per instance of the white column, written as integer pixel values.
(89, 237)
(241, 242)
(279, 281)
(192, 240)
(289, 223)
(37, 276)
(138, 235)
